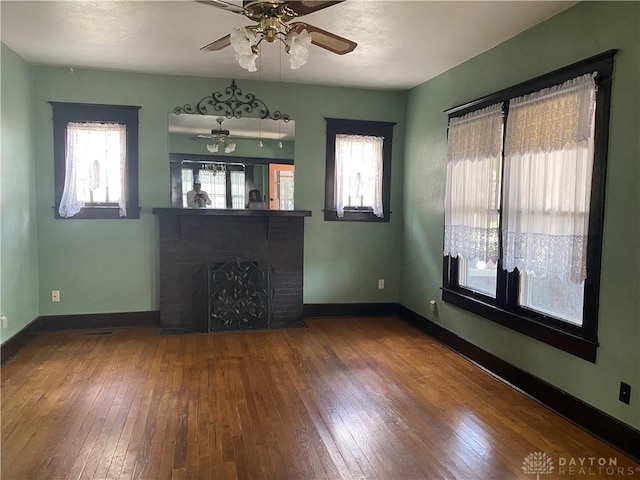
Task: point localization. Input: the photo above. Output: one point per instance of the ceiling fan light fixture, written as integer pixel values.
(218, 139)
(297, 46)
(270, 28)
(244, 42)
(273, 18)
(248, 62)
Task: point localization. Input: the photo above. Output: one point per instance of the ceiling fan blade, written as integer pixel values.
(304, 7)
(213, 135)
(218, 44)
(231, 7)
(327, 40)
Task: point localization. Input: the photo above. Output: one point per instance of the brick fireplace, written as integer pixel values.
(192, 240)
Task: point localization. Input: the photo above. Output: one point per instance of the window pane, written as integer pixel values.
(237, 189)
(187, 184)
(478, 276)
(96, 149)
(284, 182)
(215, 184)
(552, 296)
(358, 170)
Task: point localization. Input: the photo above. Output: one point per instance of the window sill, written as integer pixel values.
(101, 213)
(568, 342)
(355, 215)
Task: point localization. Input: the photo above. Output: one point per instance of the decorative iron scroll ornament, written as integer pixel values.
(232, 103)
(238, 295)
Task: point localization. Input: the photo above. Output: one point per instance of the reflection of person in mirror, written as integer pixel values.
(197, 197)
(255, 200)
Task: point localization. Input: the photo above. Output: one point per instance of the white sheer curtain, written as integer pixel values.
(358, 173)
(472, 191)
(548, 170)
(237, 189)
(95, 166)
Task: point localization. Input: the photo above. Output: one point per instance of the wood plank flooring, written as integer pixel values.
(361, 398)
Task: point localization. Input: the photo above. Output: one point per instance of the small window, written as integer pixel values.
(358, 170)
(96, 161)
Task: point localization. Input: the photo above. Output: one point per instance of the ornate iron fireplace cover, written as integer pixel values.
(239, 295)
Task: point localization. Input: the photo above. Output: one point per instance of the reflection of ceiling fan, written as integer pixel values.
(219, 138)
(273, 17)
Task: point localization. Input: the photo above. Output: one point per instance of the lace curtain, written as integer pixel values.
(359, 173)
(548, 169)
(95, 166)
(472, 192)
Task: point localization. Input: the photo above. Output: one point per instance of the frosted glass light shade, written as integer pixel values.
(243, 40)
(298, 50)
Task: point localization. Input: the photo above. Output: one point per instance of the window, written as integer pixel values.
(95, 160)
(282, 185)
(358, 170)
(224, 183)
(524, 205)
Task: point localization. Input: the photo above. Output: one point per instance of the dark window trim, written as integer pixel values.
(581, 341)
(63, 113)
(357, 127)
(199, 157)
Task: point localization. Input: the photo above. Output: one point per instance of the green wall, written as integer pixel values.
(582, 31)
(112, 266)
(18, 232)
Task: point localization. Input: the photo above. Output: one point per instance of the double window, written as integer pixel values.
(524, 205)
(224, 183)
(358, 170)
(96, 160)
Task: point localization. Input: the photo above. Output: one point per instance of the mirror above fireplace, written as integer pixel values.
(233, 144)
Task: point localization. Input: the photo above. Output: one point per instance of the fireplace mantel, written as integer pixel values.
(191, 238)
(226, 212)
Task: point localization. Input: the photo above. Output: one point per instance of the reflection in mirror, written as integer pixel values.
(261, 159)
(212, 185)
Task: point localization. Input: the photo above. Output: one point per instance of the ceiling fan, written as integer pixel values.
(219, 139)
(273, 19)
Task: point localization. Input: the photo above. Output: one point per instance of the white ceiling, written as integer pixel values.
(244, 127)
(400, 43)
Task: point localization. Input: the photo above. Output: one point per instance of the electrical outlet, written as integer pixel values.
(5, 322)
(55, 295)
(625, 393)
(433, 306)
(381, 284)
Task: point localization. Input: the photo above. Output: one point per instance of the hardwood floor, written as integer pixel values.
(365, 398)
